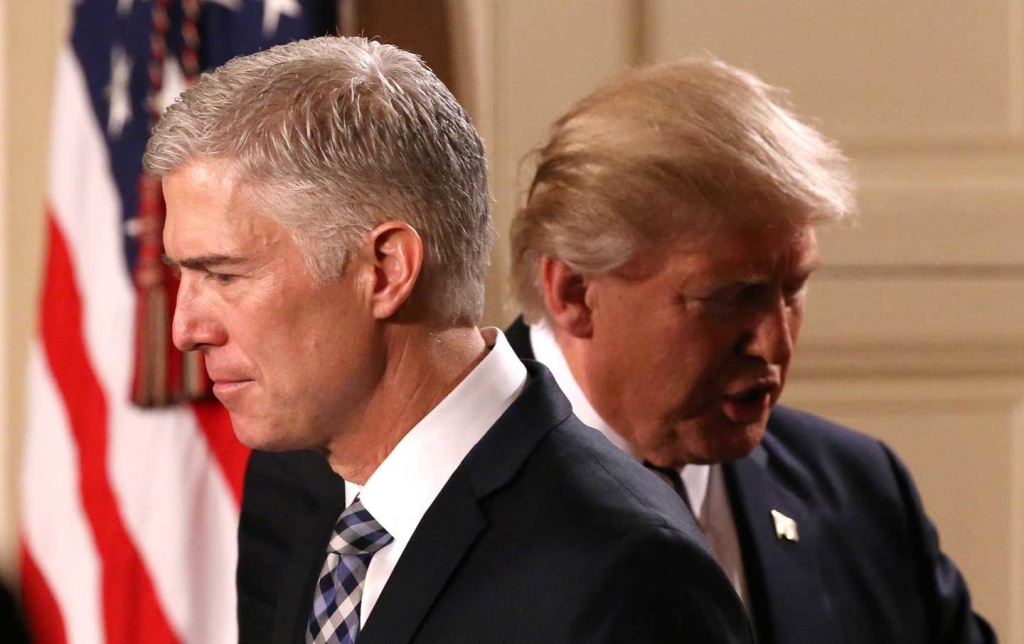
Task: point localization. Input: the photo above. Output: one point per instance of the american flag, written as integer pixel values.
(129, 515)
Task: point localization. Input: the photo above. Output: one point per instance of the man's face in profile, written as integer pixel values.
(692, 340)
(290, 358)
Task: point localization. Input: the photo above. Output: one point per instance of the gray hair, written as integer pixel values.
(666, 149)
(335, 136)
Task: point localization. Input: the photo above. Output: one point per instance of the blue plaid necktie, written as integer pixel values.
(335, 617)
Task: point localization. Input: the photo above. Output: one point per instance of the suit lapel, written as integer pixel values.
(447, 531)
(308, 553)
(783, 577)
(455, 519)
(440, 542)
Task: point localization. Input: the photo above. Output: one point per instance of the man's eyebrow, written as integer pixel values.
(804, 269)
(202, 262)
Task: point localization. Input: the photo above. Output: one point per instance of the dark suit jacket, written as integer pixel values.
(867, 568)
(544, 533)
(12, 625)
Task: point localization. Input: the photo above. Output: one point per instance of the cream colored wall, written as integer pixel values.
(6, 442)
(917, 333)
(29, 37)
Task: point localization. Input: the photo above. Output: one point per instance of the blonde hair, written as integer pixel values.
(664, 150)
(335, 136)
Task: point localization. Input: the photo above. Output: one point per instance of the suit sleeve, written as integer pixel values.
(659, 586)
(12, 623)
(255, 575)
(945, 593)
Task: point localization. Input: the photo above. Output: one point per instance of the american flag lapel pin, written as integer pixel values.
(785, 528)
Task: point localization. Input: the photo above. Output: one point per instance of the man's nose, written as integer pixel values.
(195, 326)
(770, 335)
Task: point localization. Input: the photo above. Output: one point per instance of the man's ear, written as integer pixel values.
(565, 291)
(394, 250)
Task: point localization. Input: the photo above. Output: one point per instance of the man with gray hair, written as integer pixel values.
(413, 480)
(661, 260)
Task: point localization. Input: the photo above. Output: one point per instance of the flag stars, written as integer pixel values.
(272, 11)
(124, 7)
(117, 91)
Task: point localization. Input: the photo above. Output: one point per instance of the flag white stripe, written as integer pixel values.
(175, 501)
(56, 530)
(181, 517)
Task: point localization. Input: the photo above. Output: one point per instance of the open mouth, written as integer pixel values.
(751, 395)
(749, 405)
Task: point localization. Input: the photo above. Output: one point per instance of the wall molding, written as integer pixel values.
(922, 360)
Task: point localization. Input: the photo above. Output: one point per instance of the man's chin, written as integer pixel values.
(261, 435)
(736, 443)
(708, 445)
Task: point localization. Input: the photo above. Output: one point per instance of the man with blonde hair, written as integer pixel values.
(413, 480)
(661, 260)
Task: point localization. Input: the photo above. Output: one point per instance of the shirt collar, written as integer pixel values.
(401, 489)
(546, 350)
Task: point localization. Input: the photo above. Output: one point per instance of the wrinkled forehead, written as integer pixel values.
(756, 248)
(208, 207)
(690, 211)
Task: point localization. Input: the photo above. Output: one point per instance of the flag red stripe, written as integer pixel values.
(42, 613)
(131, 611)
(215, 423)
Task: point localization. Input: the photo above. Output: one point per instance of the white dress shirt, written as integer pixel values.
(401, 489)
(704, 484)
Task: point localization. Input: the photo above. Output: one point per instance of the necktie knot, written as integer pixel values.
(357, 532)
(335, 616)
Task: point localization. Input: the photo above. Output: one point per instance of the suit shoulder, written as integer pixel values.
(845, 474)
(614, 543)
(607, 489)
(865, 501)
(662, 591)
(810, 437)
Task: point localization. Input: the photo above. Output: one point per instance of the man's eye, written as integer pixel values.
(220, 278)
(730, 299)
(733, 295)
(717, 302)
(717, 306)
(795, 293)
